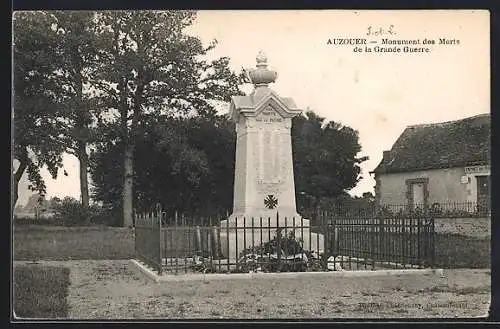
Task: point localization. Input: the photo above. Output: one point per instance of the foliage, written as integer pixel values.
(155, 71)
(71, 212)
(36, 100)
(41, 291)
(325, 159)
(159, 69)
(78, 66)
(84, 75)
(187, 164)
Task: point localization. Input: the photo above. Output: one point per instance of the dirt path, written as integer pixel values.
(116, 290)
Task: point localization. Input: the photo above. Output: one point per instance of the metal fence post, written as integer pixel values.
(419, 241)
(135, 234)
(336, 244)
(160, 245)
(324, 230)
(216, 242)
(433, 246)
(381, 236)
(198, 244)
(372, 231)
(278, 241)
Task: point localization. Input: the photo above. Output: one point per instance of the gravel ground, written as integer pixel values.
(117, 290)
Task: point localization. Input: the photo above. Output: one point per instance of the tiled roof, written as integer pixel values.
(458, 143)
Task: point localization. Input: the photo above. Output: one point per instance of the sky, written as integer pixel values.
(378, 94)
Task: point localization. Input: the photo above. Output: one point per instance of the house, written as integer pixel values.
(440, 163)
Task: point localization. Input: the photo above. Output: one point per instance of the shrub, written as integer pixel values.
(70, 212)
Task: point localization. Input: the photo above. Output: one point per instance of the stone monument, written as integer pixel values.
(264, 182)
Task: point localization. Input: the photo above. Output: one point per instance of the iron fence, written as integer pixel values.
(434, 210)
(391, 242)
(460, 209)
(179, 244)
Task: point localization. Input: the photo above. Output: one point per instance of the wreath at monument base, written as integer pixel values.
(281, 254)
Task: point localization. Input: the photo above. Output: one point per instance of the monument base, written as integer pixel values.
(237, 235)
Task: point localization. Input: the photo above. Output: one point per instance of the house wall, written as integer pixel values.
(471, 173)
(443, 185)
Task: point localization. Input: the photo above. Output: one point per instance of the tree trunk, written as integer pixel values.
(128, 180)
(15, 182)
(14, 196)
(82, 129)
(84, 163)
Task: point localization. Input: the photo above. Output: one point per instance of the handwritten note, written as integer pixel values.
(380, 31)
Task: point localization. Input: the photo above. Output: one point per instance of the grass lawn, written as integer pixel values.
(41, 291)
(35, 242)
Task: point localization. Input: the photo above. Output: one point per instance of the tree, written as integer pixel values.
(35, 135)
(35, 203)
(325, 159)
(154, 71)
(77, 60)
(186, 164)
